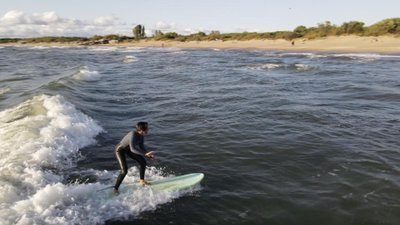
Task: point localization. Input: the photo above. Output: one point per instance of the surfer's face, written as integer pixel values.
(142, 132)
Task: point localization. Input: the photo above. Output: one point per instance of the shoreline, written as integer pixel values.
(345, 44)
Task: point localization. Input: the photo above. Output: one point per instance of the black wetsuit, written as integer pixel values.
(133, 146)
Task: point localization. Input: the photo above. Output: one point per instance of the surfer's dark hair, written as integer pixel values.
(142, 126)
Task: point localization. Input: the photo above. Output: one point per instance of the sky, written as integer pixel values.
(33, 18)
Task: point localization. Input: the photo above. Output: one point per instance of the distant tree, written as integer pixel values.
(170, 35)
(112, 37)
(138, 32)
(200, 36)
(96, 37)
(325, 29)
(158, 33)
(143, 32)
(214, 35)
(352, 27)
(300, 31)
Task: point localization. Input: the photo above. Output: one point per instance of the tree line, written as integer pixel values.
(385, 27)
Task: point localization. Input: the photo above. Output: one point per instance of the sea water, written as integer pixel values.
(282, 137)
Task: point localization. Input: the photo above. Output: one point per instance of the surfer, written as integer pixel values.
(132, 145)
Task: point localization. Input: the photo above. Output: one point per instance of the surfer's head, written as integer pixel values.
(142, 127)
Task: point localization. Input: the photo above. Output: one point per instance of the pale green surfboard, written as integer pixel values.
(177, 182)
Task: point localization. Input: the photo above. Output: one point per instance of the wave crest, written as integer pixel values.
(85, 74)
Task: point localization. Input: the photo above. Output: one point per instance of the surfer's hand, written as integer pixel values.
(150, 154)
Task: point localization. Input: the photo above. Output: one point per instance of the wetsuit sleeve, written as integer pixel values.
(137, 144)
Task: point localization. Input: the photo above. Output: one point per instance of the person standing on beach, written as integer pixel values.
(132, 145)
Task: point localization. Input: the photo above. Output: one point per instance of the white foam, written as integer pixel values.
(90, 203)
(43, 133)
(177, 52)
(267, 66)
(65, 47)
(133, 49)
(129, 59)
(356, 56)
(359, 56)
(270, 66)
(307, 54)
(103, 48)
(85, 74)
(4, 90)
(39, 47)
(302, 67)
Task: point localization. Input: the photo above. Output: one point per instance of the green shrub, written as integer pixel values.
(387, 26)
(352, 27)
(9, 40)
(170, 35)
(300, 31)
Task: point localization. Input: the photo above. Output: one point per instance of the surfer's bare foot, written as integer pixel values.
(116, 192)
(142, 183)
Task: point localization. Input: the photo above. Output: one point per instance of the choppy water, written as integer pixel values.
(283, 138)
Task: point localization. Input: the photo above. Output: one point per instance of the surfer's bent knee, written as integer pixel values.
(123, 171)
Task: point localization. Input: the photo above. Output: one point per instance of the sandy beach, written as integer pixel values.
(381, 44)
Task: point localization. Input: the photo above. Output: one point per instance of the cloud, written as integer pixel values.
(105, 21)
(19, 24)
(173, 27)
(14, 17)
(16, 23)
(164, 26)
(46, 18)
(188, 31)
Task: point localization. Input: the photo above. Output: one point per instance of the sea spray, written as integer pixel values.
(39, 138)
(92, 203)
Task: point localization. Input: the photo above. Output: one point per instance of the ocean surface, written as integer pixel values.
(283, 138)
